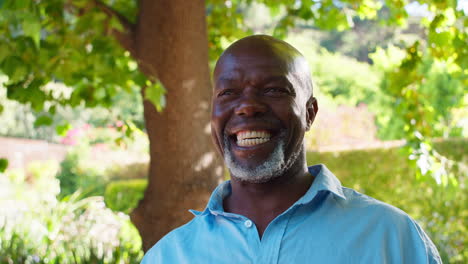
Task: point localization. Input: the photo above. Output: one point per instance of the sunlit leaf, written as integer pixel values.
(155, 94)
(63, 129)
(32, 28)
(115, 24)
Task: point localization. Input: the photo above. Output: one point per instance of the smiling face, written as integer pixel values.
(262, 106)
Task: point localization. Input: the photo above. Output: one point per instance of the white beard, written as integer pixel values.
(274, 166)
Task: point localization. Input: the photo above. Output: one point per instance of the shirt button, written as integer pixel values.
(248, 223)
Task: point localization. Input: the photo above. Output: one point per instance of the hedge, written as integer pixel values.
(124, 195)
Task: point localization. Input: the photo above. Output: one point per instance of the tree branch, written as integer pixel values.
(125, 37)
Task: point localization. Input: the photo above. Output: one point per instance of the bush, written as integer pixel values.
(124, 195)
(90, 168)
(37, 228)
(76, 175)
(385, 175)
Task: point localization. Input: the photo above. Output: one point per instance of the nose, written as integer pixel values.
(250, 106)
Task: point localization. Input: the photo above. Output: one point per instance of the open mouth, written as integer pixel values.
(248, 138)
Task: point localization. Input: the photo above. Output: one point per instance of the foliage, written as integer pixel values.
(35, 227)
(365, 36)
(440, 92)
(354, 83)
(444, 24)
(20, 120)
(57, 41)
(75, 174)
(387, 176)
(94, 161)
(340, 79)
(124, 195)
(422, 109)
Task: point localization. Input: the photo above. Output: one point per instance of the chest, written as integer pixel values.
(289, 240)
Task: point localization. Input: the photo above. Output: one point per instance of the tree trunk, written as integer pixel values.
(171, 43)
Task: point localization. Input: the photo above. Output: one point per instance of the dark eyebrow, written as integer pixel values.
(227, 78)
(223, 81)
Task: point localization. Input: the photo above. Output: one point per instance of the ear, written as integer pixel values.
(215, 140)
(311, 111)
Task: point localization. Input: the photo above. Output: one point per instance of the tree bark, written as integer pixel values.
(171, 43)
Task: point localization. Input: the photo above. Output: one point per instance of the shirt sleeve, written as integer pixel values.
(432, 253)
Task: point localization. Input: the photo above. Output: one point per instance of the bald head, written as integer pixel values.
(280, 53)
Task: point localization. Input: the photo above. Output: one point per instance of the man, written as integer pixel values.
(275, 209)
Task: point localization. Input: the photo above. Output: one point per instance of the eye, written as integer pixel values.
(276, 90)
(226, 92)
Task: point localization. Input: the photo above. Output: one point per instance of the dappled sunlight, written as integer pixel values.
(202, 110)
(219, 172)
(189, 85)
(207, 129)
(205, 161)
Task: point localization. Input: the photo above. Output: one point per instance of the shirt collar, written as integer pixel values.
(324, 180)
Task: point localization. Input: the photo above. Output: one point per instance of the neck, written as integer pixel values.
(262, 202)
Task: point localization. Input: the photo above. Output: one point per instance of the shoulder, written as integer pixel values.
(177, 243)
(391, 224)
(375, 211)
(358, 201)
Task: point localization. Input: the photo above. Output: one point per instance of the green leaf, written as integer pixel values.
(4, 51)
(43, 120)
(52, 110)
(32, 28)
(3, 164)
(155, 94)
(15, 68)
(275, 9)
(63, 129)
(115, 24)
(1, 109)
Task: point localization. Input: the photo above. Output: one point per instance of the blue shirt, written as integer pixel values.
(329, 224)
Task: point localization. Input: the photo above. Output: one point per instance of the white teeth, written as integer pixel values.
(251, 138)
